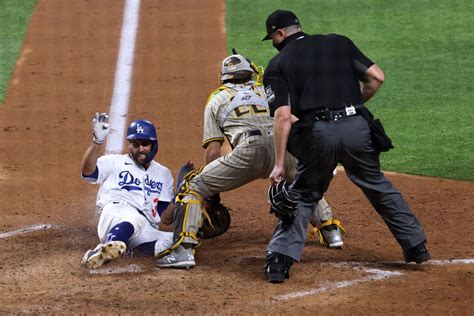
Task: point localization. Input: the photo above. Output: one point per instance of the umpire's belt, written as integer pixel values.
(336, 114)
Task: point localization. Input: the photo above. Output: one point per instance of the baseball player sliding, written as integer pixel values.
(238, 111)
(135, 193)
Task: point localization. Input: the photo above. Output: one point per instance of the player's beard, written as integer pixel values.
(140, 158)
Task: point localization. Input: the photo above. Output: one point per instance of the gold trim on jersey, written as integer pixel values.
(215, 92)
(214, 139)
(259, 74)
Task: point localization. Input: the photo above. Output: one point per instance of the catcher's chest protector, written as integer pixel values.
(244, 96)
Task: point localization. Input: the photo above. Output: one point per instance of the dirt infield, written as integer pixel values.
(65, 74)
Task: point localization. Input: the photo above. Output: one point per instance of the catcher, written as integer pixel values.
(239, 111)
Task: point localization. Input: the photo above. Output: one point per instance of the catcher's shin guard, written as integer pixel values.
(188, 218)
(322, 218)
(322, 212)
(188, 212)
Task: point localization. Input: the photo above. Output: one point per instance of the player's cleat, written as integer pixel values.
(418, 254)
(332, 236)
(181, 258)
(103, 253)
(277, 267)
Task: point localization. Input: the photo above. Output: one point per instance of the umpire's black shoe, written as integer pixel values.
(417, 254)
(277, 267)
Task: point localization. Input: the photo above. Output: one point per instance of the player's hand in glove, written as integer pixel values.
(100, 127)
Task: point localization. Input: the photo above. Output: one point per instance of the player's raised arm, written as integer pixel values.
(100, 129)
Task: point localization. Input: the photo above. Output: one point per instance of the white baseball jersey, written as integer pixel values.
(122, 180)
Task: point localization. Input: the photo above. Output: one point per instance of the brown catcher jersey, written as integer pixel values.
(234, 109)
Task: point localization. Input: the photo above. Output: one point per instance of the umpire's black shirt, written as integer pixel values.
(315, 71)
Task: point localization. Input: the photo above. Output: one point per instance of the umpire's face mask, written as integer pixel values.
(278, 46)
(278, 39)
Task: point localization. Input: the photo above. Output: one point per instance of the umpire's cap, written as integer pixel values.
(278, 20)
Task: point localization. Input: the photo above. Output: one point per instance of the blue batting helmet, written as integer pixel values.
(143, 129)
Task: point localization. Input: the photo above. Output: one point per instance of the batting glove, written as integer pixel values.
(100, 127)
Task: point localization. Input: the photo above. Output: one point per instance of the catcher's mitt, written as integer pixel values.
(282, 205)
(217, 220)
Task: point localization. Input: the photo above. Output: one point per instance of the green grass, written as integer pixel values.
(14, 17)
(426, 49)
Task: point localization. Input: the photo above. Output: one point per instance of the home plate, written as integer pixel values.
(133, 268)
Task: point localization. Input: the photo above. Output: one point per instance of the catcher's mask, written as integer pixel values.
(143, 129)
(236, 67)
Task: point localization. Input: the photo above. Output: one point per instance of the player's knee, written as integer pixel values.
(123, 231)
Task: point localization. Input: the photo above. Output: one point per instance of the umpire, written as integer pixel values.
(316, 87)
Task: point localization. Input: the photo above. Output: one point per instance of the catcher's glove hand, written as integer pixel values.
(217, 220)
(282, 205)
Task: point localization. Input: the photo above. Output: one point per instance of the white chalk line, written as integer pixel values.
(123, 78)
(452, 261)
(240, 259)
(28, 229)
(430, 262)
(133, 268)
(376, 274)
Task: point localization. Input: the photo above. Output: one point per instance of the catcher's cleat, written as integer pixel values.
(418, 254)
(103, 253)
(181, 258)
(277, 267)
(332, 236)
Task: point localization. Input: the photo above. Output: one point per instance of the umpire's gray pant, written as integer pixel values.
(348, 142)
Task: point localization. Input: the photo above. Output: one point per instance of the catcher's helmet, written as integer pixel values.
(236, 66)
(143, 129)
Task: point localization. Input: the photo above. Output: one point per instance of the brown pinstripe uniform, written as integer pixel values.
(240, 113)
